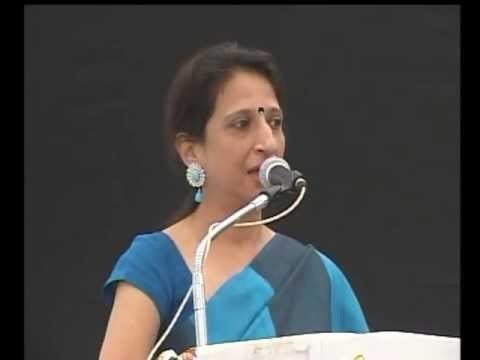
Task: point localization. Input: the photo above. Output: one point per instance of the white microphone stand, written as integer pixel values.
(198, 283)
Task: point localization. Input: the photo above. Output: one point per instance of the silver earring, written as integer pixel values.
(195, 175)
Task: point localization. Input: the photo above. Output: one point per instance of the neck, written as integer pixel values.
(209, 212)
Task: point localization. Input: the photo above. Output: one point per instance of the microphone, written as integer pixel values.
(275, 171)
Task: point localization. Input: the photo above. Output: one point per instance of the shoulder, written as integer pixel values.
(333, 270)
(151, 264)
(290, 245)
(320, 260)
(347, 313)
(155, 249)
(338, 279)
(157, 240)
(151, 254)
(336, 274)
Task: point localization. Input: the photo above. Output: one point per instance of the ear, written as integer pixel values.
(188, 148)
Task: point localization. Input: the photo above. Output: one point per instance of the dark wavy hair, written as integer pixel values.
(191, 97)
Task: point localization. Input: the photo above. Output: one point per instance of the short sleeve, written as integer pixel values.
(347, 314)
(145, 265)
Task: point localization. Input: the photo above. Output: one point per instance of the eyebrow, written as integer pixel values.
(266, 110)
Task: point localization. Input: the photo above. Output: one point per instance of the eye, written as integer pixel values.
(276, 122)
(241, 123)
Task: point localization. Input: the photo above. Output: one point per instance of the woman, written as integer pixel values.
(224, 117)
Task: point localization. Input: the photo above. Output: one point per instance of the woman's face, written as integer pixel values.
(245, 129)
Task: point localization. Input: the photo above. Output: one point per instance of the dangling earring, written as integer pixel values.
(198, 196)
(196, 178)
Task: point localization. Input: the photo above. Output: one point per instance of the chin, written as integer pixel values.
(252, 190)
(245, 191)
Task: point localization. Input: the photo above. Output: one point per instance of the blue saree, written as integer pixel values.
(288, 289)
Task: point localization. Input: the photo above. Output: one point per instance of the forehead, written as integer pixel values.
(245, 90)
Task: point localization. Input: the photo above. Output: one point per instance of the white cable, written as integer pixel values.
(189, 292)
(278, 216)
(172, 323)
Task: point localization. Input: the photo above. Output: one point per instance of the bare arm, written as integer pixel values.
(132, 327)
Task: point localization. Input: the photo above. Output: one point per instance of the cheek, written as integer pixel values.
(281, 144)
(219, 158)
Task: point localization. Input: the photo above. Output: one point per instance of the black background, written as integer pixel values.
(373, 116)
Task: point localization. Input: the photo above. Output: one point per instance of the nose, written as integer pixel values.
(265, 140)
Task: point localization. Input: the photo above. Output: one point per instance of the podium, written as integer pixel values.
(381, 345)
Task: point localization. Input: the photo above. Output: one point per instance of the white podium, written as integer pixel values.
(382, 345)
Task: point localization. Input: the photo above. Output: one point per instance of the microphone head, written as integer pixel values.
(266, 168)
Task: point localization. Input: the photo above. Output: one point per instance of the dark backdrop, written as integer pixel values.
(373, 120)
